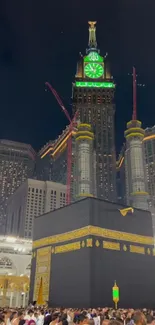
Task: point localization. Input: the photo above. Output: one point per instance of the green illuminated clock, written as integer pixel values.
(93, 70)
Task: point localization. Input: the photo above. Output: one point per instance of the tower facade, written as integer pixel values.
(136, 188)
(52, 160)
(84, 162)
(17, 163)
(30, 200)
(93, 95)
(149, 158)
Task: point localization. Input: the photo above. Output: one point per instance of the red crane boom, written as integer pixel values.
(69, 147)
(58, 100)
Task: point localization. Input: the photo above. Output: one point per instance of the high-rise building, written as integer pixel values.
(17, 161)
(93, 97)
(32, 199)
(149, 160)
(52, 160)
(136, 184)
(149, 156)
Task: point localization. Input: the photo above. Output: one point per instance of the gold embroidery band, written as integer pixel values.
(94, 231)
(107, 245)
(111, 245)
(67, 248)
(137, 249)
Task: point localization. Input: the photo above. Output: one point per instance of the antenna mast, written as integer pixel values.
(134, 115)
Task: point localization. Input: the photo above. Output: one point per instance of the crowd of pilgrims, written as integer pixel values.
(100, 316)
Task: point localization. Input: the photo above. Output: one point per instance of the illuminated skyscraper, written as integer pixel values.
(17, 162)
(30, 200)
(93, 95)
(52, 160)
(136, 185)
(149, 157)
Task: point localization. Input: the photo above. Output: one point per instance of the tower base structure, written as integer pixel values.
(80, 250)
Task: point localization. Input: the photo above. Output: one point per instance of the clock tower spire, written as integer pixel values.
(92, 35)
(93, 98)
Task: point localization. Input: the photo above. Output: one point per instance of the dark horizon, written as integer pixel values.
(41, 43)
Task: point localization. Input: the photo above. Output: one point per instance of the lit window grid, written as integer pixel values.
(38, 201)
(149, 153)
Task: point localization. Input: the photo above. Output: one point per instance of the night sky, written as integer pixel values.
(41, 40)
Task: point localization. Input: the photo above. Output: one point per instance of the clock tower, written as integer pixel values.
(93, 96)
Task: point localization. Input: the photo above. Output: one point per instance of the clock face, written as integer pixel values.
(94, 70)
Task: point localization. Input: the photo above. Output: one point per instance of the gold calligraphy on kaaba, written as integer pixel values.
(137, 249)
(105, 244)
(94, 231)
(111, 245)
(43, 268)
(67, 248)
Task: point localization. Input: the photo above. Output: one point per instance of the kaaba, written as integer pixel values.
(80, 250)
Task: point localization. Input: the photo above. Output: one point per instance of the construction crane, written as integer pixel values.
(69, 144)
